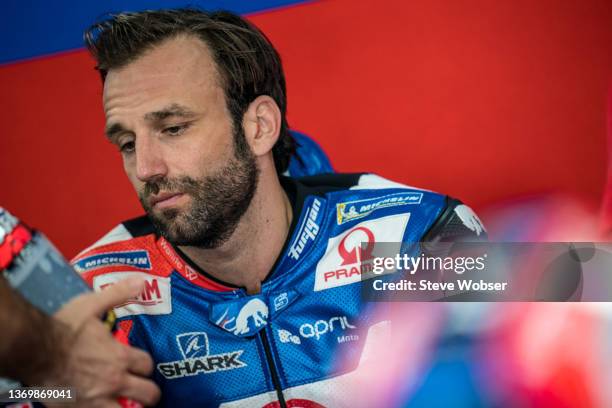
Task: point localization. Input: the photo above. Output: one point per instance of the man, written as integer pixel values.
(253, 280)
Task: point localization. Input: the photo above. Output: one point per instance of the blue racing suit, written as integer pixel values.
(309, 159)
(216, 346)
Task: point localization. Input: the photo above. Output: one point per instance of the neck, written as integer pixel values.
(249, 255)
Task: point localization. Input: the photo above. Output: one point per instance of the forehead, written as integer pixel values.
(177, 67)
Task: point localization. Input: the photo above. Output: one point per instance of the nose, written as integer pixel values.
(150, 161)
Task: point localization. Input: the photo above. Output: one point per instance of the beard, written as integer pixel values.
(218, 201)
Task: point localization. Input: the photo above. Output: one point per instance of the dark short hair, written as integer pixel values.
(246, 61)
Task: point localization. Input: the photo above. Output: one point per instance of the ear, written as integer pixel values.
(262, 123)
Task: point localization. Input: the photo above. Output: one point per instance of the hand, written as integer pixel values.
(100, 368)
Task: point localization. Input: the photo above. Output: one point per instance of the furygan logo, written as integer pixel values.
(307, 232)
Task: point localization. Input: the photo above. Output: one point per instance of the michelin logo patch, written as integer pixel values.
(137, 259)
(354, 210)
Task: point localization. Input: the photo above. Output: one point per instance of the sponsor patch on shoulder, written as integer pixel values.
(136, 259)
(354, 210)
(155, 299)
(350, 255)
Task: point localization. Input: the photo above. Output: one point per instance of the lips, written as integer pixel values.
(164, 199)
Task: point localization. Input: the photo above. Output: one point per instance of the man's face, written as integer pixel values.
(194, 173)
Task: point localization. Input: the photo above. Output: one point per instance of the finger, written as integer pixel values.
(139, 361)
(110, 403)
(141, 389)
(96, 304)
(95, 403)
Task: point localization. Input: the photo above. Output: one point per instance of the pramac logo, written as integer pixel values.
(357, 253)
(355, 249)
(349, 256)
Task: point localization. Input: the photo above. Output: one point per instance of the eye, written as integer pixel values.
(127, 147)
(175, 130)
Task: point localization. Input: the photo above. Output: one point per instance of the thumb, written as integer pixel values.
(95, 304)
(114, 295)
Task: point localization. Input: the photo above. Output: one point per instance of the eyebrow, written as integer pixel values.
(169, 111)
(173, 110)
(112, 130)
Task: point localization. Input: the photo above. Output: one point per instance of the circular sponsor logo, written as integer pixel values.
(353, 240)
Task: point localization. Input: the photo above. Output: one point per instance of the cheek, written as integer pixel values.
(130, 171)
(201, 156)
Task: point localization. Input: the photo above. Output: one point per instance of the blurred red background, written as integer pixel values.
(485, 101)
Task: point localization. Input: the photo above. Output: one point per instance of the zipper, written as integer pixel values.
(270, 361)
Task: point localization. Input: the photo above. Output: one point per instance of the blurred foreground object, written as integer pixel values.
(75, 348)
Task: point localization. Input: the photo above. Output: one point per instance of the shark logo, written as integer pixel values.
(254, 310)
(197, 359)
(193, 344)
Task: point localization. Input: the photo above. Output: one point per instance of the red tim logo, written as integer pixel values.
(356, 254)
(295, 403)
(150, 295)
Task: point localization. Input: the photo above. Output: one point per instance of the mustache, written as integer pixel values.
(183, 184)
